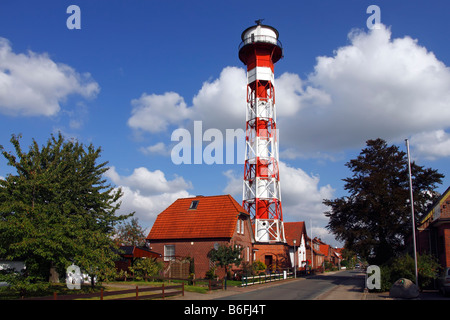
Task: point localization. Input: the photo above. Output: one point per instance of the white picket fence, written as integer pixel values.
(278, 276)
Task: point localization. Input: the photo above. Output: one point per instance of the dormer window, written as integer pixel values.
(194, 205)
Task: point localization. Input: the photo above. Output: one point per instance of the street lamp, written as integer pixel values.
(295, 262)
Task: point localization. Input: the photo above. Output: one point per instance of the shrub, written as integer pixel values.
(145, 267)
(403, 267)
(211, 273)
(258, 266)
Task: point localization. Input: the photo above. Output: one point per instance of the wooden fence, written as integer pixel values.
(140, 293)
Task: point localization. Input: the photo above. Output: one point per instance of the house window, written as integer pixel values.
(240, 227)
(194, 205)
(169, 252)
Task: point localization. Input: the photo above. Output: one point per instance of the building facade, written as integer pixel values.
(189, 228)
(434, 230)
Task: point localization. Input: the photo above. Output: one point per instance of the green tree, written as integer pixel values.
(56, 208)
(374, 220)
(130, 233)
(225, 256)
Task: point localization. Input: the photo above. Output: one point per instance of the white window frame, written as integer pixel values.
(169, 252)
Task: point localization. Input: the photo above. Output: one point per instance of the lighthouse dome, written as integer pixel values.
(260, 33)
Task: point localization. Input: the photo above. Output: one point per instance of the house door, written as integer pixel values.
(268, 260)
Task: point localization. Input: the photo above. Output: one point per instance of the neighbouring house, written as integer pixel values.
(434, 230)
(336, 257)
(128, 254)
(296, 231)
(314, 256)
(325, 249)
(189, 228)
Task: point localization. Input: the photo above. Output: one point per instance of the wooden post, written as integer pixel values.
(163, 291)
(182, 288)
(55, 296)
(101, 293)
(137, 293)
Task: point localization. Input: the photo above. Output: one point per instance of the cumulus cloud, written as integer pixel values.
(147, 192)
(377, 87)
(221, 103)
(218, 104)
(431, 145)
(155, 113)
(158, 148)
(32, 84)
(302, 194)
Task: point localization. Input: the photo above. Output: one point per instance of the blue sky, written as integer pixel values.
(138, 70)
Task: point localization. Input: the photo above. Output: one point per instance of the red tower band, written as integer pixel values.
(259, 51)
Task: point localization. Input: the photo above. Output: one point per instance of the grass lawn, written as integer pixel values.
(61, 289)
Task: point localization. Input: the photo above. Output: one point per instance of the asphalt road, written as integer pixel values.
(306, 289)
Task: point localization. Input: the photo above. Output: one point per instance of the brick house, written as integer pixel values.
(314, 256)
(434, 230)
(336, 256)
(325, 249)
(297, 252)
(191, 227)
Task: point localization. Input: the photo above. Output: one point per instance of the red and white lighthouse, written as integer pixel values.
(259, 51)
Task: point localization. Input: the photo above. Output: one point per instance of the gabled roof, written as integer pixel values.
(434, 211)
(213, 217)
(325, 249)
(294, 230)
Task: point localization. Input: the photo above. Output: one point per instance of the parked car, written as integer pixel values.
(444, 282)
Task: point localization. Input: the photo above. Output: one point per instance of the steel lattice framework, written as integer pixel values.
(259, 51)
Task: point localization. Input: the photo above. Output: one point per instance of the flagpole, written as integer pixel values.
(312, 247)
(412, 213)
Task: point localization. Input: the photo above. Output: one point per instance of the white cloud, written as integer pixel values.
(302, 195)
(431, 145)
(147, 192)
(32, 84)
(158, 148)
(219, 104)
(154, 113)
(378, 87)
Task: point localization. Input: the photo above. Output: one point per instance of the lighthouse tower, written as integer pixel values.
(259, 51)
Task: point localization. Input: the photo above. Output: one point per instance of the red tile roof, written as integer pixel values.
(325, 249)
(294, 230)
(214, 217)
